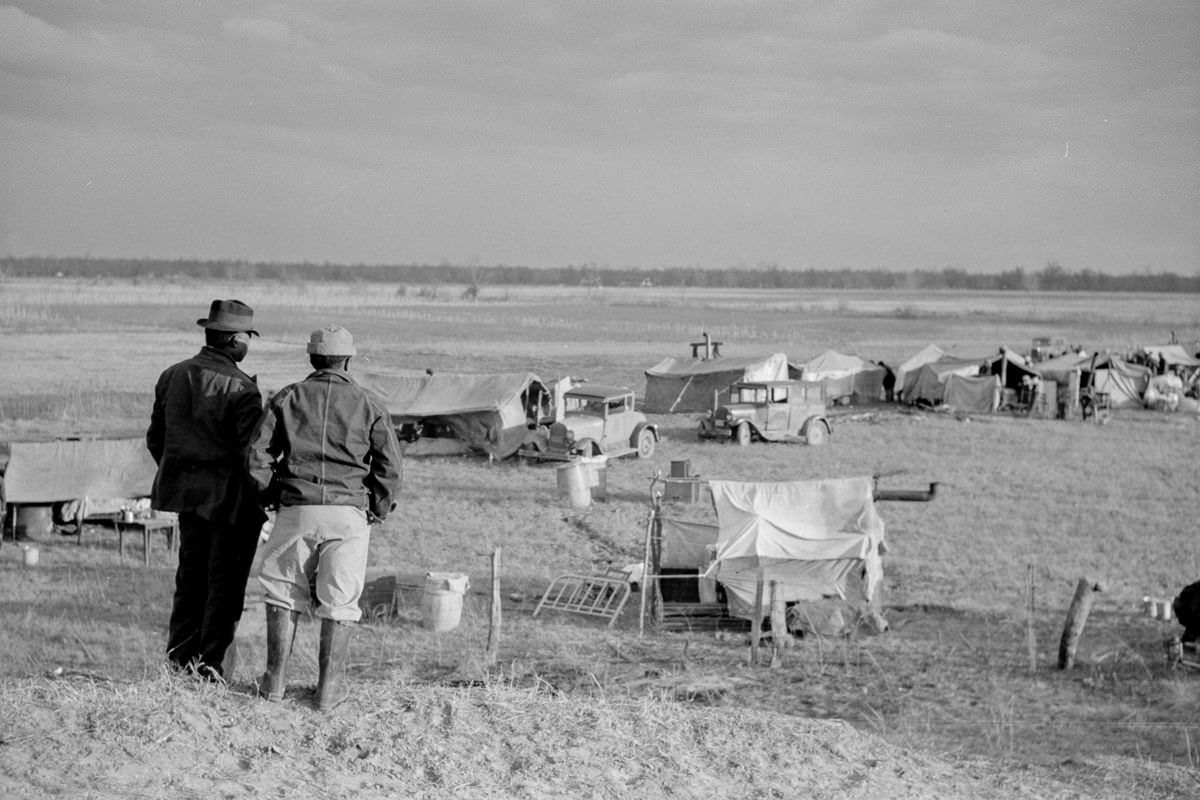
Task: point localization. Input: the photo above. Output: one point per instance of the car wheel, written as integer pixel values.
(815, 432)
(741, 434)
(645, 443)
(588, 448)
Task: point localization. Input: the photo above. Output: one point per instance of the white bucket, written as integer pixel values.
(573, 483)
(29, 555)
(597, 475)
(442, 600)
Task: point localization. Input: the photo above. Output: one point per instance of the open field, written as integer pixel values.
(945, 704)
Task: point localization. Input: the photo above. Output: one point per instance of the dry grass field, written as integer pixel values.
(945, 704)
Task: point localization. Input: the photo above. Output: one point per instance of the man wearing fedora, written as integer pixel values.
(326, 454)
(205, 410)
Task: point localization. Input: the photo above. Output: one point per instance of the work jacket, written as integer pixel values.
(326, 441)
(205, 409)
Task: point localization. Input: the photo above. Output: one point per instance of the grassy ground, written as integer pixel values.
(572, 708)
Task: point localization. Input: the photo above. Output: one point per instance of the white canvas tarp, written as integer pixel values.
(676, 385)
(844, 376)
(813, 537)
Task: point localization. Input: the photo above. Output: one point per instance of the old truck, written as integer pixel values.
(771, 411)
(596, 419)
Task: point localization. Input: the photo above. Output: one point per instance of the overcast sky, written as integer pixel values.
(826, 134)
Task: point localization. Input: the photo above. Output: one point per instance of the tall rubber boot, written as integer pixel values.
(335, 642)
(281, 634)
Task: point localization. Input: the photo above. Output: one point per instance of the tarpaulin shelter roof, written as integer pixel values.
(832, 364)
(687, 384)
(1173, 354)
(486, 411)
(446, 393)
(72, 469)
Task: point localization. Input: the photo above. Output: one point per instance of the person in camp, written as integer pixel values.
(205, 409)
(325, 454)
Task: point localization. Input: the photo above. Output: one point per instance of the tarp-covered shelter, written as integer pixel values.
(814, 537)
(1012, 369)
(927, 383)
(1124, 383)
(930, 352)
(46, 473)
(487, 413)
(1060, 368)
(688, 384)
(844, 377)
(1173, 354)
(979, 394)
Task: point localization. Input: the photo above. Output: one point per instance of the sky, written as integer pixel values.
(715, 133)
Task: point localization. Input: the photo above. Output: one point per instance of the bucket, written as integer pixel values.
(596, 468)
(573, 483)
(29, 555)
(442, 600)
(33, 521)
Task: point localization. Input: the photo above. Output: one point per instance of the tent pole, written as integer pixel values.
(756, 619)
(647, 567)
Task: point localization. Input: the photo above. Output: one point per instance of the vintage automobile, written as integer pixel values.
(596, 419)
(772, 411)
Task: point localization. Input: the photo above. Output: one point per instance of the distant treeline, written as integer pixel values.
(1052, 277)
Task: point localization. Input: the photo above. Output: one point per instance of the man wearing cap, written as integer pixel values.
(205, 409)
(325, 453)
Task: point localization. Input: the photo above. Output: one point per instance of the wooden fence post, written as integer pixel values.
(493, 640)
(1077, 614)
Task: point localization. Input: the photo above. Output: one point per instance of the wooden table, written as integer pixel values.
(145, 527)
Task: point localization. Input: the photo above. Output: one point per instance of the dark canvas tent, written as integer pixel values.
(927, 383)
(980, 394)
(930, 352)
(488, 413)
(687, 384)
(1012, 369)
(844, 377)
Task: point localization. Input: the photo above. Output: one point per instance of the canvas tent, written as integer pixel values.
(930, 352)
(927, 383)
(1012, 369)
(446, 412)
(1173, 354)
(979, 394)
(1124, 383)
(687, 384)
(844, 376)
(64, 470)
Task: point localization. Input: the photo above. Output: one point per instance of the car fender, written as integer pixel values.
(637, 431)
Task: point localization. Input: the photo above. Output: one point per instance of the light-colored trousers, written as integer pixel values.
(317, 553)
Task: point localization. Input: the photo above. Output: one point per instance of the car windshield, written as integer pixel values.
(583, 406)
(750, 394)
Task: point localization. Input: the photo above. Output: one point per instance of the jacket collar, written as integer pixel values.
(331, 373)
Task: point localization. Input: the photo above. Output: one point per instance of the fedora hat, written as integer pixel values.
(229, 316)
(332, 340)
